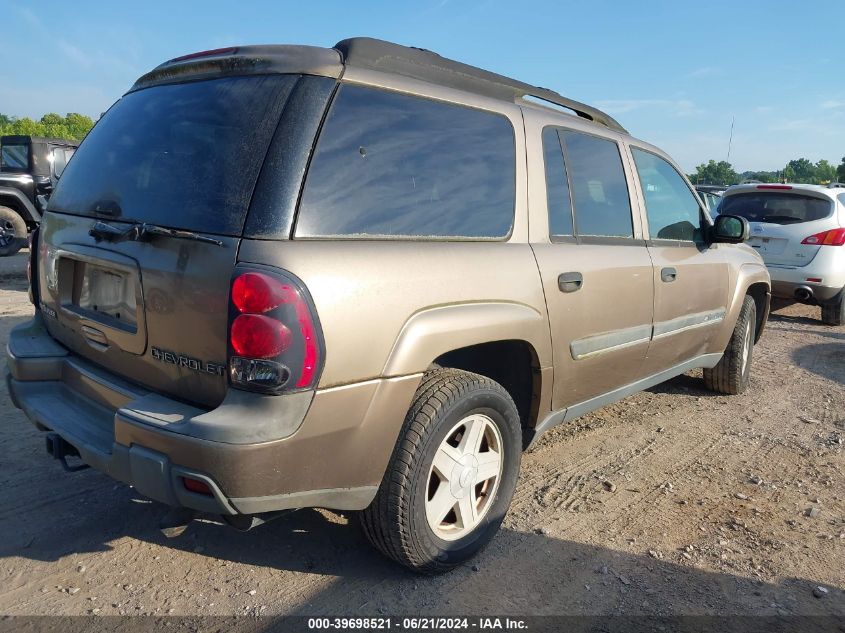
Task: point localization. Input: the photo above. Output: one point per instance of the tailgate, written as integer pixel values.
(780, 244)
(153, 312)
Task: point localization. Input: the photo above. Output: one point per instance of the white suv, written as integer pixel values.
(800, 232)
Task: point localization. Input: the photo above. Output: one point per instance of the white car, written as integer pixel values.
(800, 232)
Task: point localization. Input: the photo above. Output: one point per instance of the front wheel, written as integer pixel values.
(834, 313)
(452, 474)
(732, 374)
(12, 232)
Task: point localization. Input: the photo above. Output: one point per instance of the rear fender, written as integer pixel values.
(435, 331)
(15, 199)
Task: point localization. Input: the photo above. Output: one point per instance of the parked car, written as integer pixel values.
(30, 166)
(711, 195)
(800, 232)
(363, 278)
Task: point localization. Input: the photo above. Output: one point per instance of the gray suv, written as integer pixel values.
(363, 278)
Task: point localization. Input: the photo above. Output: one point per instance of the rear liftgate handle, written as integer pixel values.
(570, 282)
(668, 274)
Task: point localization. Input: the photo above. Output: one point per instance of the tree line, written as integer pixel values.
(72, 127)
(797, 170)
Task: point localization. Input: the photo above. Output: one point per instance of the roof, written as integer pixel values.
(831, 190)
(17, 139)
(418, 63)
(368, 53)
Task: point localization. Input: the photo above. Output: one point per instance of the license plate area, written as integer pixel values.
(105, 294)
(100, 299)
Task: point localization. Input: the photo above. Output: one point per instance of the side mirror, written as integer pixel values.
(730, 229)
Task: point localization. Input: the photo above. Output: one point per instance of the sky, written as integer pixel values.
(675, 74)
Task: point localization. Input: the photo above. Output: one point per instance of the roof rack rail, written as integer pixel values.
(835, 185)
(418, 63)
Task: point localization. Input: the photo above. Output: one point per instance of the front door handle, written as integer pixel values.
(668, 274)
(570, 282)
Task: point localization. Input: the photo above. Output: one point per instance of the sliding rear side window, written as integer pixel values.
(395, 165)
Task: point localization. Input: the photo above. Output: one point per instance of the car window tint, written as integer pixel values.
(672, 208)
(599, 190)
(182, 155)
(14, 157)
(390, 164)
(557, 186)
(776, 208)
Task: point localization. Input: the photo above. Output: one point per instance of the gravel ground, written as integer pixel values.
(674, 501)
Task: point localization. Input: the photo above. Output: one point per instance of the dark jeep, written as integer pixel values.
(29, 168)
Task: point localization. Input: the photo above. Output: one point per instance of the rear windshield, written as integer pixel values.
(14, 157)
(183, 156)
(776, 208)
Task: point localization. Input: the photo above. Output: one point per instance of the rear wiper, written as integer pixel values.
(142, 231)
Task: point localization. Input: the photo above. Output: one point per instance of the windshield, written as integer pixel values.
(184, 156)
(776, 208)
(14, 157)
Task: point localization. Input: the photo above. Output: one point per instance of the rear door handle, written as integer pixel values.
(668, 274)
(570, 282)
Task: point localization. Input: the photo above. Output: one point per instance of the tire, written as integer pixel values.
(447, 405)
(732, 374)
(12, 232)
(834, 313)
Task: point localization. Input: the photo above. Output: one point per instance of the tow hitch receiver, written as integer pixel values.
(61, 450)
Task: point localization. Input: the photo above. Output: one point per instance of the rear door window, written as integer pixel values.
(557, 186)
(775, 207)
(184, 156)
(673, 210)
(599, 189)
(391, 164)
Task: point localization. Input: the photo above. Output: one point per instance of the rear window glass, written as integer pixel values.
(557, 185)
(14, 157)
(390, 164)
(776, 208)
(183, 156)
(599, 189)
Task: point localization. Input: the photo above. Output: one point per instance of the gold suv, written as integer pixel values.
(363, 278)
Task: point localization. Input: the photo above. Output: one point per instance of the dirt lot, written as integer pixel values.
(674, 501)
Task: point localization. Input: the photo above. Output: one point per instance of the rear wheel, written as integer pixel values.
(12, 232)
(452, 474)
(834, 313)
(733, 372)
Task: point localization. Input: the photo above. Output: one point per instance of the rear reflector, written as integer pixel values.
(197, 486)
(774, 186)
(833, 237)
(214, 51)
(815, 280)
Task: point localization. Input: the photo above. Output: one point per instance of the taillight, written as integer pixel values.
(833, 237)
(32, 242)
(774, 186)
(274, 337)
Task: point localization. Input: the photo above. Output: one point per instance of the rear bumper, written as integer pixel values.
(327, 448)
(828, 265)
(787, 280)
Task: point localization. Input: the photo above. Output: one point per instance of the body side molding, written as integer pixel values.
(576, 410)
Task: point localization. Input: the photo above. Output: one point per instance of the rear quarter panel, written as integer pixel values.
(389, 308)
